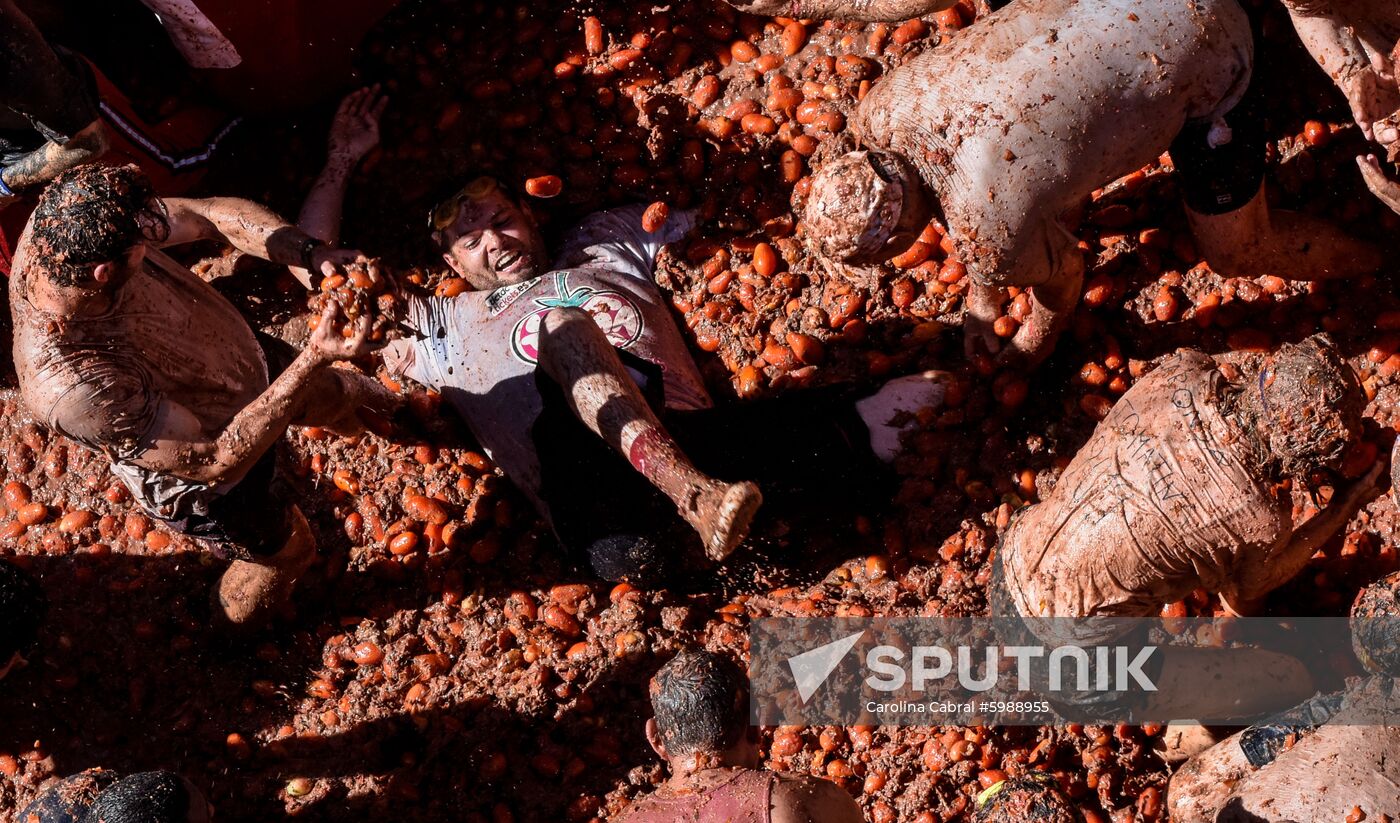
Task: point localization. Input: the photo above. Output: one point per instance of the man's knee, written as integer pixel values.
(566, 319)
(564, 333)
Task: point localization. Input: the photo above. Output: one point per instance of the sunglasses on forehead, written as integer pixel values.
(445, 213)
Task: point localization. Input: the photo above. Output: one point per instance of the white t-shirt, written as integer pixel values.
(480, 349)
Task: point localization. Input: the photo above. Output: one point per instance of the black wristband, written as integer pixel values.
(308, 248)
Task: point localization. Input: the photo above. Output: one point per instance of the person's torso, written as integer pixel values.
(486, 353)
(170, 330)
(1157, 503)
(1022, 116)
(746, 797)
(1324, 776)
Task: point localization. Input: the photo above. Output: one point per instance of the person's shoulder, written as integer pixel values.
(1182, 367)
(805, 799)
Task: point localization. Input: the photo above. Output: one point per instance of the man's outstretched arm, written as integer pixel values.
(53, 158)
(354, 133)
(181, 448)
(1363, 74)
(869, 11)
(256, 230)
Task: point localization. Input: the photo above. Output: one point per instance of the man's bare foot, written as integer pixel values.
(722, 514)
(248, 595)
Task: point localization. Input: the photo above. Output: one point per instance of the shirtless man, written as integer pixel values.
(22, 608)
(1315, 762)
(1011, 126)
(1178, 488)
(122, 349)
(561, 368)
(700, 729)
(1181, 488)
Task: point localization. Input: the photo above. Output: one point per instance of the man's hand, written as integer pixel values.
(329, 343)
(1374, 96)
(329, 260)
(983, 308)
(355, 130)
(1385, 189)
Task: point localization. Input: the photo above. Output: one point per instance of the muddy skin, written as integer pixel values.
(576, 353)
(1323, 776)
(745, 795)
(199, 41)
(1356, 762)
(1189, 460)
(1395, 472)
(161, 350)
(1004, 167)
(861, 10)
(249, 594)
(865, 207)
(1307, 407)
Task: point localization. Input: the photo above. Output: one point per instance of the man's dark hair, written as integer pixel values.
(22, 607)
(1030, 799)
(700, 703)
(90, 215)
(1313, 402)
(1375, 626)
(149, 797)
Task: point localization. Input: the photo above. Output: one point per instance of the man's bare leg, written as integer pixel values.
(1274, 682)
(1252, 241)
(577, 355)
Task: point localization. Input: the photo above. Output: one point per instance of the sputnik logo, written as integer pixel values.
(811, 669)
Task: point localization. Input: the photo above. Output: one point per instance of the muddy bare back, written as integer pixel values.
(1324, 777)
(1018, 119)
(1159, 502)
(745, 796)
(101, 379)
